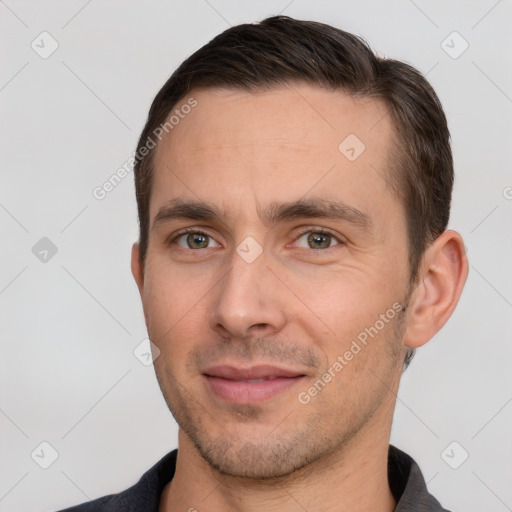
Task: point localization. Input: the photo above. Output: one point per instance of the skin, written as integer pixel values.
(295, 306)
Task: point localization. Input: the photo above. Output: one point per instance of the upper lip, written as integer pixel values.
(249, 373)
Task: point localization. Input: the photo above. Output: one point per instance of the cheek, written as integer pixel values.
(171, 289)
(359, 346)
(343, 305)
(362, 362)
(174, 304)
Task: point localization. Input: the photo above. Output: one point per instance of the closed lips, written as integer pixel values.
(252, 374)
(252, 385)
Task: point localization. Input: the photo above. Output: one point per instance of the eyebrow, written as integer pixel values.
(270, 215)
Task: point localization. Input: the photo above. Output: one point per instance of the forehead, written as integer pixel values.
(275, 145)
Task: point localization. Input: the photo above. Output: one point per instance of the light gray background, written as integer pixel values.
(69, 326)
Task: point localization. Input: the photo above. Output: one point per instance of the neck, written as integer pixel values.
(354, 478)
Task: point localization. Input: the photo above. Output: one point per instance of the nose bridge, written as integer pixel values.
(245, 297)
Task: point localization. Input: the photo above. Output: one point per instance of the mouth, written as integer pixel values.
(250, 385)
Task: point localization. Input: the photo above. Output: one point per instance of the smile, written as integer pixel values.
(250, 385)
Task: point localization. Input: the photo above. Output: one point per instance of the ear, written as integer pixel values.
(136, 265)
(443, 272)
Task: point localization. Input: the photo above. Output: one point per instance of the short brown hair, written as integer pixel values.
(279, 51)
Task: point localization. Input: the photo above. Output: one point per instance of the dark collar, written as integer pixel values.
(408, 485)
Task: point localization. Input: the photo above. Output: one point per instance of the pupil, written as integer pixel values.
(197, 241)
(319, 241)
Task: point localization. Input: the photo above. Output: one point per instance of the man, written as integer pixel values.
(293, 194)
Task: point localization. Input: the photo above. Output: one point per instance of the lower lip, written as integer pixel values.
(243, 392)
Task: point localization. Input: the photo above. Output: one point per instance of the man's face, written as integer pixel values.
(275, 254)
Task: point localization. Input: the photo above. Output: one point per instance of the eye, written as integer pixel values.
(317, 240)
(195, 240)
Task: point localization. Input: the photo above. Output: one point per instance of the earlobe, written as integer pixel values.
(443, 272)
(136, 266)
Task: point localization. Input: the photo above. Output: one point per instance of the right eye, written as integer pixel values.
(195, 240)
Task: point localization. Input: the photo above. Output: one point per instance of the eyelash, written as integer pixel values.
(320, 231)
(187, 231)
(200, 231)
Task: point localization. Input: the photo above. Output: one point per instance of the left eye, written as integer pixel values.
(317, 240)
(195, 240)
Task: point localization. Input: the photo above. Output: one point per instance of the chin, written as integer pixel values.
(261, 454)
(256, 461)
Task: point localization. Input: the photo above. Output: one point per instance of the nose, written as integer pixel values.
(247, 303)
